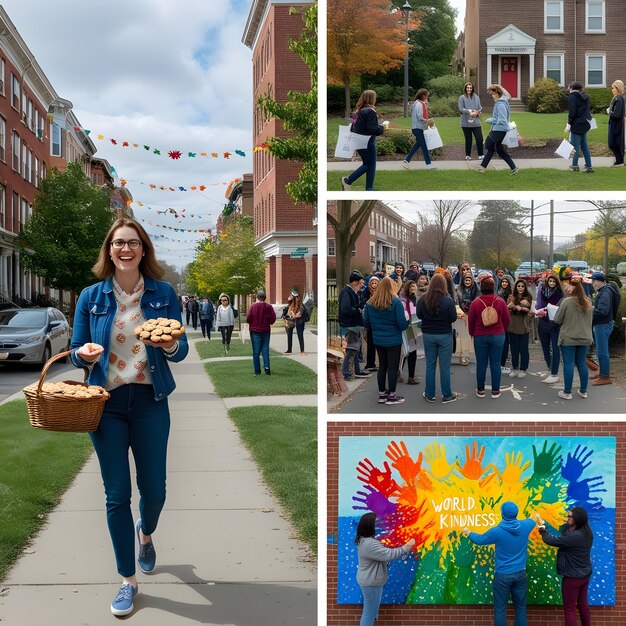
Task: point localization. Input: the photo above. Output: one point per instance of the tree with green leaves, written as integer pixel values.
(62, 239)
(230, 264)
(299, 117)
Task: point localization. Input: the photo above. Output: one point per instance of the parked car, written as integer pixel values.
(524, 269)
(32, 335)
(578, 266)
(429, 268)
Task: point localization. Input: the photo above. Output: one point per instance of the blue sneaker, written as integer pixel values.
(147, 553)
(123, 602)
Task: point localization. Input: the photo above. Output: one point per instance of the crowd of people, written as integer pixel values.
(365, 121)
(393, 317)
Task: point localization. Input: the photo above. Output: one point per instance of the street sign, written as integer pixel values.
(297, 255)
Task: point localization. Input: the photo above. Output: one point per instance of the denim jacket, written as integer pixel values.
(93, 320)
(500, 119)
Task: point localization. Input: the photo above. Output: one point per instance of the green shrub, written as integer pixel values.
(385, 146)
(335, 97)
(619, 332)
(443, 107)
(333, 308)
(600, 99)
(447, 86)
(403, 140)
(545, 96)
(389, 93)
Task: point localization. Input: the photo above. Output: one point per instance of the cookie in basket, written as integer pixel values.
(159, 330)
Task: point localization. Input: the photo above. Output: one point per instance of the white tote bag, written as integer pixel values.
(565, 150)
(592, 123)
(511, 139)
(343, 149)
(433, 138)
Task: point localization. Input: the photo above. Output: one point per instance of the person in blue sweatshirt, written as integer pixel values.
(499, 128)
(510, 538)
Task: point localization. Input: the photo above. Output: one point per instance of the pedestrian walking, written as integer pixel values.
(365, 122)
(260, 318)
(187, 310)
(578, 125)
(573, 564)
(225, 321)
(519, 304)
(470, 108)
(500, 126)
(372, 572)
(488, 317)
(296, 317)
(206, 313)
(385, 318)
(419, 123)
(574, 317)
(550, 292)
(616, 113)
(605, 306)
(194, 309)
(137, 375)
(437, 312)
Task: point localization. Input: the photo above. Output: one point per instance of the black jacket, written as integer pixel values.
(441, 322)
(605, 304)
(573, 558)
(367, 123)
(579, 112)
(349, 311)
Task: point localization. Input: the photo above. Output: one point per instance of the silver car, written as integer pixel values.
(32, 335)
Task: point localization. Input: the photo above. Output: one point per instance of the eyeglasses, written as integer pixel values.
(133, 244)
(224, 300)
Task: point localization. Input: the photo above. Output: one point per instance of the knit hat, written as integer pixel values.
(399, 263)
(355, 276)
(482, 275)
(370, 278)
(224, 295)
(509, 510)
(598, 276)
(414, 263)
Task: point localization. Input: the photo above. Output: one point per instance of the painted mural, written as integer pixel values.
(430, 489)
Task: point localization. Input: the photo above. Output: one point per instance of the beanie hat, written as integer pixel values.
(355, 276)
(509, 510)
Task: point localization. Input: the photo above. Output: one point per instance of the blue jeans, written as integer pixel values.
(260, 346)
(575, 355)
(368, 156)
(580, 143)
(351, 355)
(371, 601)
(488, 349)
(420, 142)
(519, 351)
(601, 334)
(438, 347)
(132, 419)
(516, 586)
(550, 346)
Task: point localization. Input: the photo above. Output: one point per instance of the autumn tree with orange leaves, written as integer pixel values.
(364, 37)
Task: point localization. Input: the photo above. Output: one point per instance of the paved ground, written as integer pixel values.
(227, 555)
(527, 396)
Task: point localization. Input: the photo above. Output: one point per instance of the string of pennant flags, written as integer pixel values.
(173, 154)
(154, 186)
(179, 230)
(177, 213)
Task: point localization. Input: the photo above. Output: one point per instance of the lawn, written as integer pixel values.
(283, 442)
(603, 179)
(236, 379)
(212, 349)
(37, 467)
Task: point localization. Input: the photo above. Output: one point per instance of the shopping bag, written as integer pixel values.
(511, 139)
(433, 138)
(343, 149)
(565, 149)
(592, 123)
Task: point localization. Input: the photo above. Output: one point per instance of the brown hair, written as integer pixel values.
(421, 94)
(407, 288)
(437, 289)
(517, 298)
(366, 99)
(384, 294)
(148, 266)
(495, 89)
(578, 292)
(556, 277)
(465, 88)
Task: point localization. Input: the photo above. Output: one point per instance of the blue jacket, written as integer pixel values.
(500, 117)
(93, 320)
(386, 324)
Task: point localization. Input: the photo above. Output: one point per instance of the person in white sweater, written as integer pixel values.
(373, 563)
(225, 321)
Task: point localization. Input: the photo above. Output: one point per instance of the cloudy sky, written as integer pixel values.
(163, 73)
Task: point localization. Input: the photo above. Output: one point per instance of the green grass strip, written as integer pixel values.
(214, 348)
(283, 442)
(37, 467)
(236, 379)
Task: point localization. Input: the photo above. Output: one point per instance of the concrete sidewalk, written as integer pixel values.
(226, 554)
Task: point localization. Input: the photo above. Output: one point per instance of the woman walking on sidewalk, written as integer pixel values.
(138, 377)
(419, 123)
(225, 321)
(500, 126)
(469, 105)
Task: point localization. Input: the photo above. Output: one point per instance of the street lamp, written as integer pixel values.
(406, 7)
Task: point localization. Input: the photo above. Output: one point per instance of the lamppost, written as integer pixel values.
(406, 7)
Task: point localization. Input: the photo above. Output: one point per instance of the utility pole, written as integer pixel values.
(532, 226)
(551, 257)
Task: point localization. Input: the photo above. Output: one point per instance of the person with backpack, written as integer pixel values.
(296, 317)
(487, 318)
(605, 306)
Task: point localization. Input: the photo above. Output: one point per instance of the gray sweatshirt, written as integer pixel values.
(225, 316)
(373, 560)
(417, 118)
(465, 106)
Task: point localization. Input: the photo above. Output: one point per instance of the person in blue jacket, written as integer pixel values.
(499, 128)
(385, 318)
(137, 375)
(510, 538)
(365, 122)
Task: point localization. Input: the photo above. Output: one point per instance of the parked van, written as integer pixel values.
(578, 266)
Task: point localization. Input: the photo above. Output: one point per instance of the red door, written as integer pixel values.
(508, 74)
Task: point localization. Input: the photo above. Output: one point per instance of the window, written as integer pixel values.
(36, 173)
(331, 247)
(595, 69)
(31, 123)
(2, 75)
(15, 92)
(15, 150)
(55, 144)
(553, 65)
(3, 136)
(553, 11)
(3, 206)
(15, 210)
(594, 20)
(24, 161)
(30, 174)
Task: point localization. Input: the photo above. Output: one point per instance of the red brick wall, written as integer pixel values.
(430, 615)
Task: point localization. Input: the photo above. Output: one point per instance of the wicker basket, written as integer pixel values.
(63, 413)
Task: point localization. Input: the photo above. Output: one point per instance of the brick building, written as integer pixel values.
(516, 43)
(476, 615)
(284, 229)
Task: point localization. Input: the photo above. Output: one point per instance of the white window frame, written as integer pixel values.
(3, 140)
(545, 17)
(36, 181)
(16, 147)
(332, 250)
(54, 127)
(592, 31)
(15, 92)
(3, 69)
(3, 206)
(561, 55)
(595, 54)
(24, 161)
